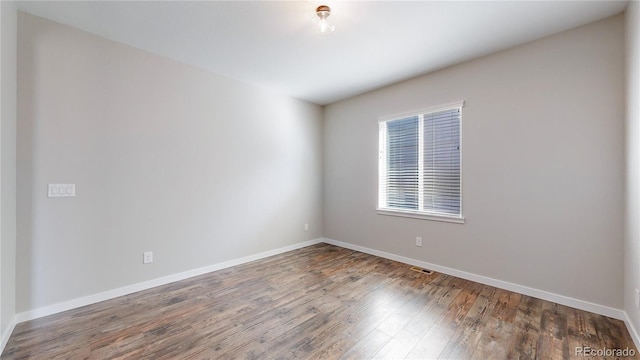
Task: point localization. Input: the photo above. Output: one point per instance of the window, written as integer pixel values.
(419, 164)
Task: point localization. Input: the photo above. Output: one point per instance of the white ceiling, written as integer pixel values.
(275, 44)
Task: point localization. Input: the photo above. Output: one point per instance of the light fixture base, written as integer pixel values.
(323, 8)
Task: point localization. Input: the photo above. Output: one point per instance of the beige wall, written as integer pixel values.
(167, 158)
(543, 165)
(632, 234)
(8, 168)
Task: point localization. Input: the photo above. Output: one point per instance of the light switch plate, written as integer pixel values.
(62, 190)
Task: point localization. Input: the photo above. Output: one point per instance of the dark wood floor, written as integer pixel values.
(320, 302)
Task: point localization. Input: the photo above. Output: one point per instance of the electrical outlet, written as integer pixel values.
(147, 257)
(637, 298)
(306, 227)
(418, 241)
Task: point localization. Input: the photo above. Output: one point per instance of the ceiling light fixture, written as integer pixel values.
(323, 12)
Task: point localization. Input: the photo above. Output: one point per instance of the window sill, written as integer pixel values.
(415, 215)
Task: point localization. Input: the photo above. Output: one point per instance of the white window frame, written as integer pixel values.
(382, 166)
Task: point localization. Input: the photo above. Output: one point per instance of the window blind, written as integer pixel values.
(419, 164)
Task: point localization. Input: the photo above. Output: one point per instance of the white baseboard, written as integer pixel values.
(632, 330)
(110, 294)
(540, 294)
(6, 334)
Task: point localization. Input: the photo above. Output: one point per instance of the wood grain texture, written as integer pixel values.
(319, 302)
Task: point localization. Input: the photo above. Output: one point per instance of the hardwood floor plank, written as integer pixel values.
(319, 302)
(431, 345)
(552, 342)
(368, 346)
(398, 347)
(470, 332)
(526, 329)
(431, 312)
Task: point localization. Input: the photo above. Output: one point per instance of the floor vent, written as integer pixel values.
(421, 270)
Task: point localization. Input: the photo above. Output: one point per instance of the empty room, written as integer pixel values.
(320, 180)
